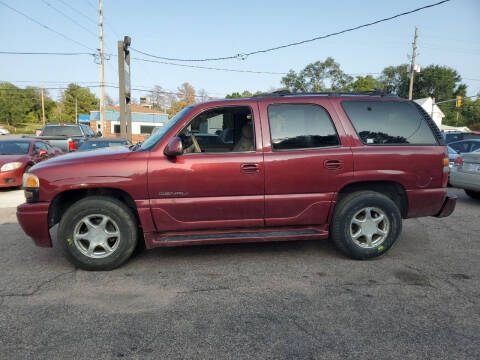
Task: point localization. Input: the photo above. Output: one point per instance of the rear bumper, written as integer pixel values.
(33, 219)
(447, 207)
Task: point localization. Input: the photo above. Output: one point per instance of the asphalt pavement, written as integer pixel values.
(291, 300)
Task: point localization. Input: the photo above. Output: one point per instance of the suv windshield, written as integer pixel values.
(60, 130)
(153, 140)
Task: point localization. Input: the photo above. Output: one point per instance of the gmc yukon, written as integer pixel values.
(270, 168)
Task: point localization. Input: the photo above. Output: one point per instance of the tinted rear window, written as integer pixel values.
(62, 131)
(300, 126)
(389, 123)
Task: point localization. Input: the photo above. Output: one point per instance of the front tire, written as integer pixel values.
(365, 224)
(98, 233)
(473, 194)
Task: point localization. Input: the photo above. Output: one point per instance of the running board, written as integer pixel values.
(233, 236)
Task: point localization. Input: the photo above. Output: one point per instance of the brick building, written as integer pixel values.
(144, 119)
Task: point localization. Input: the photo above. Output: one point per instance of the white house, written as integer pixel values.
(428, 104)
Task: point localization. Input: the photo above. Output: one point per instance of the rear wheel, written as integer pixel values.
(473, 194)
(365, 224)
(98, 233)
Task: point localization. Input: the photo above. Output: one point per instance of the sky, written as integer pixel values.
(447, 35)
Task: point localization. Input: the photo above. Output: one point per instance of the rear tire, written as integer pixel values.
(98, 233)
(365, 224)
(473, 194)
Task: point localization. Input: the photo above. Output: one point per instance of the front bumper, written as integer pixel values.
(11, 178)
(33, 218)
(447, 207)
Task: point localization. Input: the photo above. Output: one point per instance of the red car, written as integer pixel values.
(18, 156)
(282, 167)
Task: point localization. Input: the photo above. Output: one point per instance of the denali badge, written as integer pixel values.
(172, 193)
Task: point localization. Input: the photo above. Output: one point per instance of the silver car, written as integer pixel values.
(465, 173)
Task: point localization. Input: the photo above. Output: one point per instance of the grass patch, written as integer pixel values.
(25, 128)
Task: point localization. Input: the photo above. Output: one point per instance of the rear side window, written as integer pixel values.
(300, 126)
(62, 131)
(389, 123)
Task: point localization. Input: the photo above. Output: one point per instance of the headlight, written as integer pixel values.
(10, 166)
(30, 181)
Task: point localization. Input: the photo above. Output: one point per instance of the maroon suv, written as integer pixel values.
(268, 168)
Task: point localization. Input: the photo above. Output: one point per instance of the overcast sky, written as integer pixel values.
(448, 35)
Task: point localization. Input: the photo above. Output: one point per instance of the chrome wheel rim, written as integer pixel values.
(369, 227)
(96, 236)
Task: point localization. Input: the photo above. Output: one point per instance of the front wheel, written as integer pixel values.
(98, 233)
(365, 224)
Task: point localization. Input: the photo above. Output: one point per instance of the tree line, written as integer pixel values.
(23, 105)
(440, 82)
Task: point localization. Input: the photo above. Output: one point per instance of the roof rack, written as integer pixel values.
(331, 93)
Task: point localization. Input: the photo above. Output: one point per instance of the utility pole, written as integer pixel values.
(102, 66)
(43, 108)
(76, 111)
(412, 65)
(124, 87)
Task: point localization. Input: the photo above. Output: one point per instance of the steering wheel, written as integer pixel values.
(196, 146)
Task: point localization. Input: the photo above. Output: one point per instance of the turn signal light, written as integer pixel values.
(446, 161)
(30, 181)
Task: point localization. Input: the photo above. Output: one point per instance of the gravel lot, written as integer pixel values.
(294, 300)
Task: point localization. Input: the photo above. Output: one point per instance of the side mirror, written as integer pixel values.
(42, 153)
(174, 147)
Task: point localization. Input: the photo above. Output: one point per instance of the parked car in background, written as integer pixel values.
(4, 131)
(452, 155)
(453, 136)
(18, 155)
(465, 146)
(304, 166)
(465, 173)
(99, 143)
(67, 137)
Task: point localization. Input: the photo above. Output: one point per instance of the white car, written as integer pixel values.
(4, 131)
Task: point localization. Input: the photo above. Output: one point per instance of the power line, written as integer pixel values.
(69, 18)
(45, 26)
(78, 12)
(45, 53)
(210, 68)
(243, 56)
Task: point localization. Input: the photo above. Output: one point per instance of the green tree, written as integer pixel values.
(394, 80)
(234, 95)
(18, 105)
(367, 83)
(318, 76)
(86, 102)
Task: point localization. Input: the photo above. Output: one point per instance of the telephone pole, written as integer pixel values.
(43, 108)
(102, 66)
(76, 111)
(412, 65)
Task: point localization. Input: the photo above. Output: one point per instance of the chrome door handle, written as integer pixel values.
(250, 168)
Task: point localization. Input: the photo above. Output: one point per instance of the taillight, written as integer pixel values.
(446, 170)
(458, 161)
(71, 145)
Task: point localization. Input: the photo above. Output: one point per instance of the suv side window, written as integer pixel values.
(388, 123)
(220, 130)
(300, 126)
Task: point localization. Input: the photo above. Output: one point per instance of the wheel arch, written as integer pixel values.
(394, 190)
(62, 201)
